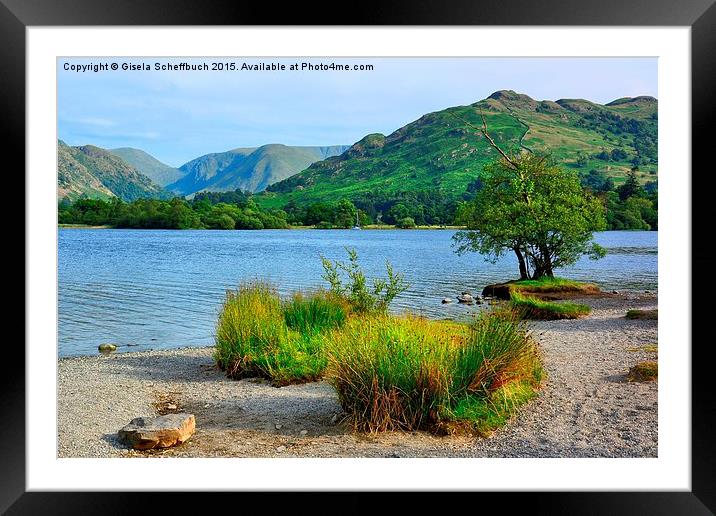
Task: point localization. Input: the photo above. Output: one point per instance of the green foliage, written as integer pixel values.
(362, 298)
(637, 212)
(411, 373)
(530, 307)
(549, 284)
(174, 214)
(406, 223)
(534, 209)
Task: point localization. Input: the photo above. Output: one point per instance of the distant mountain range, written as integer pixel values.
(161, 173)
(440, 152)
(130, 173)
(445, 152)
(248, 169)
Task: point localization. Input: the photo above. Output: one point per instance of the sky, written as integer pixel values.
(178, 115)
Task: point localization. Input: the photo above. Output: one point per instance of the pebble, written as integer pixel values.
(281, 449)
(304, 432)
(279, 427)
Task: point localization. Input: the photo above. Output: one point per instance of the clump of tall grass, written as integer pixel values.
(258, 334)
(315, 313)
(530, 307)
(411, 373)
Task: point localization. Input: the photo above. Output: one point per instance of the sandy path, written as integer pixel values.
(586, 408)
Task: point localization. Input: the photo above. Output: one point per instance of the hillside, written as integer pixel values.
(249, 169)
(441, 153)
(161, 173)
(94, 172)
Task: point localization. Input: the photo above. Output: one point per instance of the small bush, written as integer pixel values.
(644, 372)
(411, 373)
(529, 307)
(361, 298)
(406, 223)
(643, 314)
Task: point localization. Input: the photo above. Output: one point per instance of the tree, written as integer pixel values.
(534, 209)
(406, 223)
(631, 186)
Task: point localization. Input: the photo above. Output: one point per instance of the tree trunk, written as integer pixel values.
(547, 264)
(521, 261)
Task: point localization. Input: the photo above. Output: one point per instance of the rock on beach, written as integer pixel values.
(147, 433)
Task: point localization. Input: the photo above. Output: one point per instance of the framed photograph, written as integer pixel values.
(426, 252)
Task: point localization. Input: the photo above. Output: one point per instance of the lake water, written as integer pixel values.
(146, 289)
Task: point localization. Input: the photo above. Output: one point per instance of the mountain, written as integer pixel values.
(444, 151)
(249, 169)
(94, 172)
(161, 173)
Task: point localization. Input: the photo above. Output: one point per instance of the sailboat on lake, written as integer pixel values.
(357, 226)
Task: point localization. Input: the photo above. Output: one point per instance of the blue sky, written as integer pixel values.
(179, 115)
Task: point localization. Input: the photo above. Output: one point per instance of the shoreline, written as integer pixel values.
(586, 407)
(372, 227)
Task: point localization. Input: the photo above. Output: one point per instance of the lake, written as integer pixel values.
(155, 289)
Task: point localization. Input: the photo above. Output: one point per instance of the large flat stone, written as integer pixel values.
(146, 433)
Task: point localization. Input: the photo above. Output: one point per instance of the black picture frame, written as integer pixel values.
(699, 15)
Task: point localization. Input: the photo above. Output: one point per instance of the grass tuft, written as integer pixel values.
(547, 284)
(259, 335)
(646, 371)
(643, 314)
(529, 307)
(411, 373)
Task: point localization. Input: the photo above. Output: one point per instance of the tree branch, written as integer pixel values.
(484, 132)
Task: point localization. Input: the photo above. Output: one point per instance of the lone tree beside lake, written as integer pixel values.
(529, 206)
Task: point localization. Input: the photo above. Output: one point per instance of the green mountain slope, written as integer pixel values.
(249, 169)
(94, 172)
(442, 152)
(161, 173)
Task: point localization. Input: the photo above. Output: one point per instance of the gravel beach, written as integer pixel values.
(587, 408)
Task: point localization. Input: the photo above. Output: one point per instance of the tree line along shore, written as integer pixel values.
(630, 206)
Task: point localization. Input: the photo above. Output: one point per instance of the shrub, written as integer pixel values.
(528, 307)
(406, 223)
(411, 373)
(362, 298)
